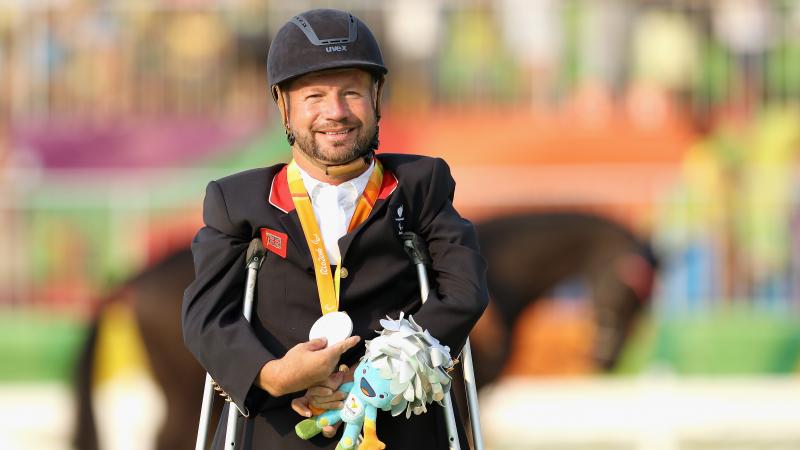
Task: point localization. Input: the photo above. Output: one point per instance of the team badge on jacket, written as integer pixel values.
(274, 241)
(399, 219)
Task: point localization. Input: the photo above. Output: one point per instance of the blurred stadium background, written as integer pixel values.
(677, 118)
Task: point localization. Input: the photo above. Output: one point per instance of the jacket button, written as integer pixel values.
(343, 272)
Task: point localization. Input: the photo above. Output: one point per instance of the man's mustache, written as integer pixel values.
(336, 125)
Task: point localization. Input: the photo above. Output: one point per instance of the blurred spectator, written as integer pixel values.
(413, 33)
(727, 226)
(533, 34)
(474, 63)
(664, 50)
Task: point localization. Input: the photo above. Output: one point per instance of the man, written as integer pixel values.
(340, 203)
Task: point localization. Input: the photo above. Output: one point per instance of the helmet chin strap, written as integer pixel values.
(349, 169)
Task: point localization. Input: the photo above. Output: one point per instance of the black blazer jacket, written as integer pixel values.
(416, 195)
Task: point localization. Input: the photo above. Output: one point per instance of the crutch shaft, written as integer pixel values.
(252, 271)
(450, 419)
(423, 282)
(231, 437)
(205, 413)
(449, 414)
(472, 396)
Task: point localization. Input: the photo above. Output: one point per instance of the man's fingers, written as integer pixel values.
(336, 378)
(346, 372)
(351, 342)
(346, 344)
(330, 431)
(319, 391)
(339, 395)
(318, 400)
(327, 401)
(300, 406)
(334, 404)
(333, 397)
(332, 382)
(316, 344)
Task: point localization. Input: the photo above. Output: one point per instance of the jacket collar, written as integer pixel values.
(281, 198)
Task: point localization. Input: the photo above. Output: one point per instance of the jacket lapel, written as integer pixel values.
(298, 251)
(388, 186)
(281, 198)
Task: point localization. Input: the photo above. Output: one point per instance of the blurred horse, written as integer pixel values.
(155, 296)
(527, 255)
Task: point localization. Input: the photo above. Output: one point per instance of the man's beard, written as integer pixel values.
(366, 141)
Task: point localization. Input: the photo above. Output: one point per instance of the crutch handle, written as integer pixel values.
(415, 247)
(255, 253)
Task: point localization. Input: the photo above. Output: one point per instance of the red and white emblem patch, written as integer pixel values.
(274, 241)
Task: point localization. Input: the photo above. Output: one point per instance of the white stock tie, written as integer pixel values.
(332, 218)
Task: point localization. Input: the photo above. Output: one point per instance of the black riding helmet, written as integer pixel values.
(322, 39)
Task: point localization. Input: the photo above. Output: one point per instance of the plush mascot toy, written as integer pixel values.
(403, 369)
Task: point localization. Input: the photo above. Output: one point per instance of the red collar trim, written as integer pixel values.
(281, 198)
(279, 195)
(388, 185)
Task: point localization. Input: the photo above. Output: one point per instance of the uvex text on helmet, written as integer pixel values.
(322, 39)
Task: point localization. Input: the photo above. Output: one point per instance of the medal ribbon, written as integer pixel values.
(327, 284)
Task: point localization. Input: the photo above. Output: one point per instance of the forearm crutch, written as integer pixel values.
(253, 260)
(416, 249)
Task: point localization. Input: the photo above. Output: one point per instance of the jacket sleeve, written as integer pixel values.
(214, 328)
(459, 293)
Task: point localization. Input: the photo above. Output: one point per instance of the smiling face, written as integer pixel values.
(374, 389)
(332, 114)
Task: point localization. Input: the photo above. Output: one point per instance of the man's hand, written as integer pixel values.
(304, 365)
(323, 397)
(327, 395)
(301, 405)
